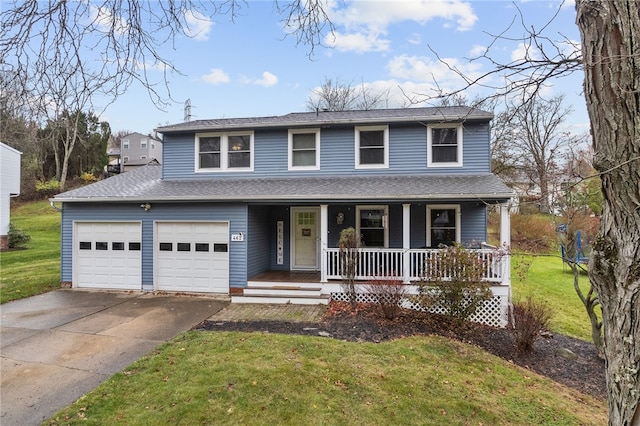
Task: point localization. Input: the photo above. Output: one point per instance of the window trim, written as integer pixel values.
(385, 164)
(459, 151)
(125, 144)
(224, 152)
(143, 143)
(385, 220)
(292, 132)
(455, 207)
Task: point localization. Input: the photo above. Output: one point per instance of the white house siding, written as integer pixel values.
(9, 187)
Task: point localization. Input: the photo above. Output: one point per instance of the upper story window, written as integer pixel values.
(228, 152)
(372, 147)
(371, 224)
(143, 143)
(153, 144)
(304, 149)
(444, 145)
(125, 144)
(443, 225)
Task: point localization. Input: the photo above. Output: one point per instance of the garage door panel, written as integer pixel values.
(188, 261)
(108, 255)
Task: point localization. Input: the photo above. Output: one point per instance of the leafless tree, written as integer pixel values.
(610, 59)
(61, 55)
(335, 95)
(537, 140)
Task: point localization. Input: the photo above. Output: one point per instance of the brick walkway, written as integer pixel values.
(283, 312)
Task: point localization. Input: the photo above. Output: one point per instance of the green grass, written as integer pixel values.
(547, 281)
(266, 379)
(35, 270)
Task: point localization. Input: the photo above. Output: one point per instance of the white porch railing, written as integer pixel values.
(406, 265)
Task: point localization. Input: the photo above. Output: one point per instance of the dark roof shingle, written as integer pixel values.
(145, 183)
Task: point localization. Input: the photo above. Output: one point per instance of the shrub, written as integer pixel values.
(532, 233)
(48, 188)
(17, 237)
(527, 319)
(89, 177)
(387, 293)
(452, 280)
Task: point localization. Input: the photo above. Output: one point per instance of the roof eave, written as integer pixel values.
(292, 197)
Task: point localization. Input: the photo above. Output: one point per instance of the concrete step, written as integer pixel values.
(287, 285)
(321, 300)
(282, 292)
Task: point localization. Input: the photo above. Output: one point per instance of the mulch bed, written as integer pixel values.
(566, 360)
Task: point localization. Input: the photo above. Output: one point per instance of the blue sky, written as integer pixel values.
(249, 68)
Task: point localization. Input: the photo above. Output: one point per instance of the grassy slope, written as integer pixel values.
(264, 379)
(548, 281)
(37, 269)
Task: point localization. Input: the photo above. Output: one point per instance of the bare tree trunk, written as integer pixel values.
(610, 33)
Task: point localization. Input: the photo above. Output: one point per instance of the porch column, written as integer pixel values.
(406, 242)
(505, 242)
(324, 235)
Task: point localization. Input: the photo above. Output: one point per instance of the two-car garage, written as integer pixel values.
(187, 256)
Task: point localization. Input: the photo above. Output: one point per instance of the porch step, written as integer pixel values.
(322, 300)
(281, 293)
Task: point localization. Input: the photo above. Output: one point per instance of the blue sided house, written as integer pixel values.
(253, 207)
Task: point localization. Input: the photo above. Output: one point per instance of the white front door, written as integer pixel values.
(305, 225)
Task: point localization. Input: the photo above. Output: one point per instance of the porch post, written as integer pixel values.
(406, 242)
(505, 242)
(324, 232)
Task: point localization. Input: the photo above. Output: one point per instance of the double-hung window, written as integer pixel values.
(125, 144)
(372, 225)
(224, 152)
(372, 147)
(444, 145)
(304, 149)
(443, 225)
(143, 143)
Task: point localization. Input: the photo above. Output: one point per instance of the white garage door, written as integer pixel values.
(192, 256)
(108, 255)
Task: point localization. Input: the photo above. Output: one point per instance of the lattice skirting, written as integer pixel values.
(494, 312)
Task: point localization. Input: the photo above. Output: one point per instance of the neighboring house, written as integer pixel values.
(253, 207)
(9, 187)
(135, 150)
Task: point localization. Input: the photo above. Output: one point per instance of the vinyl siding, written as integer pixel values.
(407, 153)
(259, 236)
(235, 214)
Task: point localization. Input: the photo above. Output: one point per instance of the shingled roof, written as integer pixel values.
(145, 184)
(328, 118)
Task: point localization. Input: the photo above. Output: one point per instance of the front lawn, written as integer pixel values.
(266, 379)
(35, 270)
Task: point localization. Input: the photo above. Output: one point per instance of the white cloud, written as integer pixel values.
(216, 76)
(477, 50)
(198, 26)
(415, 38)
(268, 79)
(524, 53)
(106, 21)
(423, 69)
(362, 24)
(358, 42)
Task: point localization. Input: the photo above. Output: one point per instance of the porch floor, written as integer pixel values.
(288, 276)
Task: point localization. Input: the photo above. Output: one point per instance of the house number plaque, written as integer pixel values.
(280, 242)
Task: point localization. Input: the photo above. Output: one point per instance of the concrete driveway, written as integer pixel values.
(57, 346)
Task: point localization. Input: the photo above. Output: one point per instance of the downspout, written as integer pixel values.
(53, 205)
